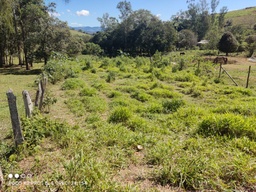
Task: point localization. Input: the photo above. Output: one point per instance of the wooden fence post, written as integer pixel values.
(18, 138)
(220, 70)
(248, 77)
(43, 88)
(27, 103)
(38, 95)
(1, 179)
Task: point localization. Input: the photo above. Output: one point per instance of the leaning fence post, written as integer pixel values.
(18, 138)
(27, 103)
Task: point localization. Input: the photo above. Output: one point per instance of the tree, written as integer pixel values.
(251, 44)
(125, 9)
(221, 18)
(107, 22)
(187, 39)
(92, 49)
(54, 36)
(228, 43)
(6, 28)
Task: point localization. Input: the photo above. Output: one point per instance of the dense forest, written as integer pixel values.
(29, 31)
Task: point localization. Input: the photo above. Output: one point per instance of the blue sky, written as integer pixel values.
(85, 12)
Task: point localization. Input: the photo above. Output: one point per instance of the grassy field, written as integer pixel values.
(245, 17)
(128, 124)
(17, 79)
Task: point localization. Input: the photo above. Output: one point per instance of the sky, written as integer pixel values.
(85, 12)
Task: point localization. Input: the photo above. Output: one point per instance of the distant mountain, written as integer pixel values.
(87, 29)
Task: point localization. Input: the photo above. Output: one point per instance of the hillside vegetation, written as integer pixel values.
(245, 17)
(128, 124)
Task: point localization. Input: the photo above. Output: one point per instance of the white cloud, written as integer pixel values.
(68, 11)
(83, 13)
(54, 14)
(158, 16)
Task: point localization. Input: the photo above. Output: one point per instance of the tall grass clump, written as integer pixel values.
(87, 91)
(111, 76)
(39, 127)
(72, 84)
(59, 70)
(120, 115)
(231, 125)
(172, 105)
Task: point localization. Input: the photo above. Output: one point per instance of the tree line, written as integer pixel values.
(140, 32)
(29, 31)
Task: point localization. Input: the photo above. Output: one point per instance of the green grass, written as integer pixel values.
(147, 129)
(244, 17)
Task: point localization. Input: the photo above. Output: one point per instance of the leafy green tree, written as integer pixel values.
(187, 39)
(92, 49)
(29, 15)
(228, 43)
(54, 37)
(107, 22)
(251, 44)
(125, 9)
(221, 18)
(6, 28)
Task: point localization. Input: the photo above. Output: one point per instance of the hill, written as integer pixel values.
(87, 29)
(245, 17)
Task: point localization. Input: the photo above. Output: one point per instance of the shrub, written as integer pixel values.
(92, 49)
(88, 65)
(57, 71)
(120, 115)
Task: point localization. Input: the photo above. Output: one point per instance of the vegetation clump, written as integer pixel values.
(120, 115)
(230, 125)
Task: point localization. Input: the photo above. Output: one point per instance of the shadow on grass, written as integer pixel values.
(17, 70)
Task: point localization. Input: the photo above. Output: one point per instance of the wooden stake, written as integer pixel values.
(27, 103)
(38, 95)
(18, 138)
(220, 70)
(43, 87)
(248, 77)
(1, 179)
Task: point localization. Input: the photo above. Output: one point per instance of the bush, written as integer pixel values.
(57, 71)
(92, 49)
